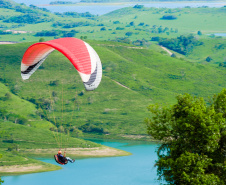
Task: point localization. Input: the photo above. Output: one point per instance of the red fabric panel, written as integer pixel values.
(74, 49)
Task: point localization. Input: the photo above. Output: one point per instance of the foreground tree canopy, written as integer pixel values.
(193, 135)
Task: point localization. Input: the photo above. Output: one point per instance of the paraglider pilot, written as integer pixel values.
(63, 157)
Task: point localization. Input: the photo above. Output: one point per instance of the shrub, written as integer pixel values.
(169, 17)
(129, 33)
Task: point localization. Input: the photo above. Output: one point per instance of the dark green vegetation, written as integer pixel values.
(61, 2)
(182, 44)
(194, 140)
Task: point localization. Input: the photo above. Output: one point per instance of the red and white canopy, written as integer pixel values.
(82, 56)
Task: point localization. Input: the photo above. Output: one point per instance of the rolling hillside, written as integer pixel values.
(135, 23)
(133, 78)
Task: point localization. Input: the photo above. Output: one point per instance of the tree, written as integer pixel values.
(173, 55)
(131, 23)
(138, 6)
(193, 136)
(208, 59)
(41, 39)
(199, 33)
(103, 29)
(169, 17)
(129, 33)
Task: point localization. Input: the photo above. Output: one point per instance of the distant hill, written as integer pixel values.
(112, 1)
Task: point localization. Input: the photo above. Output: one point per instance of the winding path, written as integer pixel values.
(168, 51)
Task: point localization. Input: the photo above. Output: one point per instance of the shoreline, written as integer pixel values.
(132, 2)
(27, 169)
(103, 151)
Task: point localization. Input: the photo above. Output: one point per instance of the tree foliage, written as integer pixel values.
(182, 44)
(193, 136)
(169, 17)
(30, 18)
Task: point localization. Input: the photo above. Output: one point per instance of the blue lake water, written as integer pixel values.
(103, 9)
(220, 34)
(136, 169)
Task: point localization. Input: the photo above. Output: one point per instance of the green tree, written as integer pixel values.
(129, 33)
(193, 135)
(199, 33)
(103, 29)
(173, 55)
(208, 59)
(41, 39)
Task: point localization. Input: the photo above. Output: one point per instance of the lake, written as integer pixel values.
(137, 169)
(103, 9)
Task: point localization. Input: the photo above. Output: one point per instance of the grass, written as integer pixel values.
(150, 76)
(16, 160)
(213, 47)
(189, 20)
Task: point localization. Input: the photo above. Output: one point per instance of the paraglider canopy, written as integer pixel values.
(83, 57)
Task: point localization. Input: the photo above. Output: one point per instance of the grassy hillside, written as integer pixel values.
(214, 48)
(136, 23)
(111, 109)
(18, 110)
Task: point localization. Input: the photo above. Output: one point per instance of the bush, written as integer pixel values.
(129, 33)
(169, 17)
(138, 6)
(208, 59)
(199, 33)
(54, 83)
(116, 22)
(103, 29)
(118, 28)
(173, 55)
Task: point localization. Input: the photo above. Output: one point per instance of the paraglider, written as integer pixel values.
(62, 159)
(82, 56)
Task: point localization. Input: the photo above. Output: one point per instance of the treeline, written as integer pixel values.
(91, 127)
(139, 42)
(54, 33)
(182, 44)
(75, 14)
(29, 18)
(71, 25)
(5, 32)
(61, 2)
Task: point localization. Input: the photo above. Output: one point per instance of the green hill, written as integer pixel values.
(134, 23)
(112, 110)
